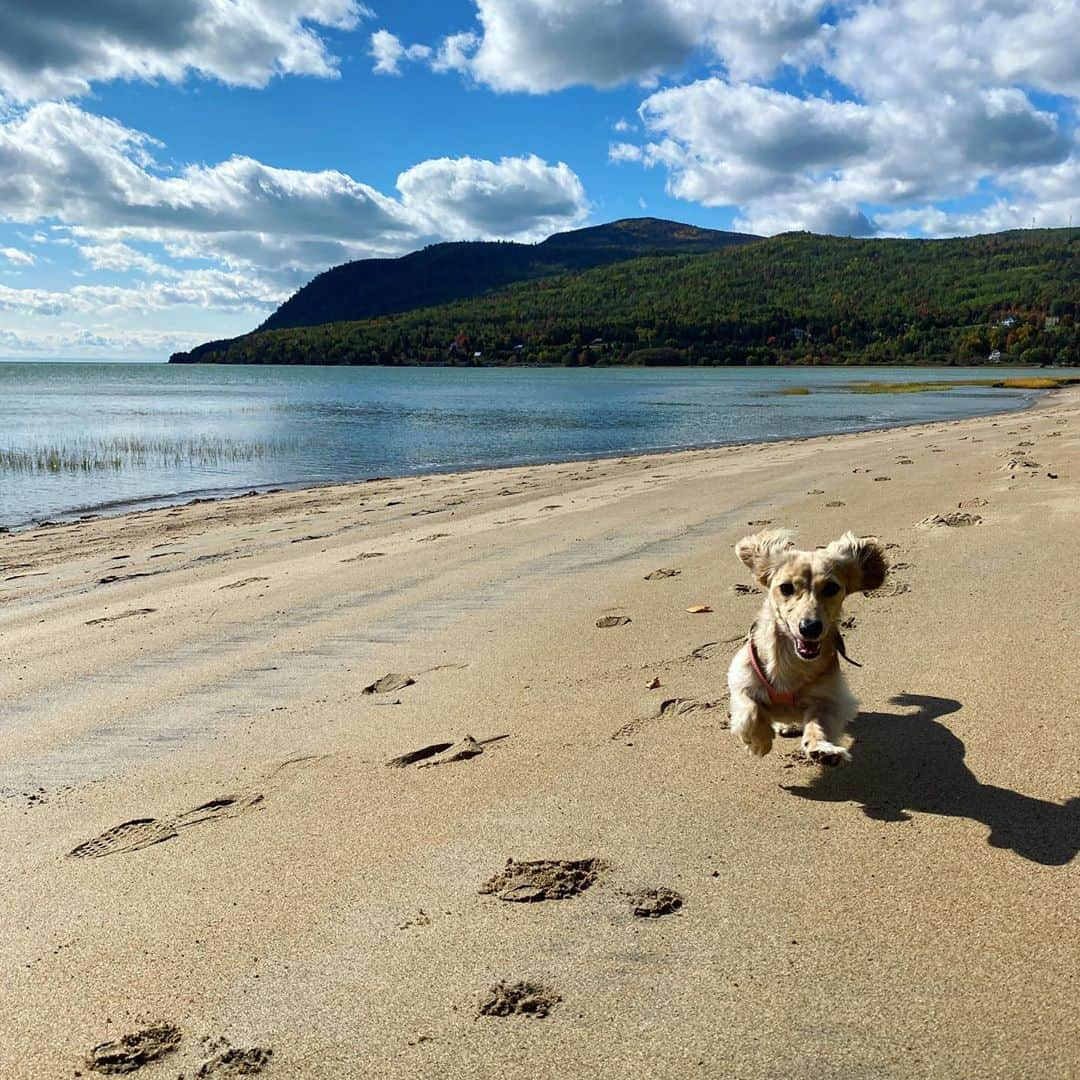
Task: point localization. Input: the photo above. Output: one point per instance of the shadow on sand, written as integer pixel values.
(908, 761)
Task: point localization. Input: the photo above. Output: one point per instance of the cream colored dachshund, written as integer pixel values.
(786, 679)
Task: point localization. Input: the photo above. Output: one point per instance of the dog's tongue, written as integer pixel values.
(808, 650)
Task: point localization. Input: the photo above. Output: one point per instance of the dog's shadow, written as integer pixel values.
(909, 762)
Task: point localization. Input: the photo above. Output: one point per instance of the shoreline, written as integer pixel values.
(213, 495)
(202, 830)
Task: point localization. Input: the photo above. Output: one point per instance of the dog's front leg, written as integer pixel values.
(748, 721)
(823, 738)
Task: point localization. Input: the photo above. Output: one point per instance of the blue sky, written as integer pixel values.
(170, 170)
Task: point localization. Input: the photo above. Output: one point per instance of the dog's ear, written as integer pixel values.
(764, 551)
(859, 560)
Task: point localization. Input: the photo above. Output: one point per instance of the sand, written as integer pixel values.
(202, 835)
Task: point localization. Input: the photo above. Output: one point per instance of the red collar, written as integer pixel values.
(775, 697)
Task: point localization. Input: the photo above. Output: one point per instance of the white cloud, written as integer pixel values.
(538, 46)
(921, 49)
(930, 99)
(793, 162)
(389, 53)
(515, 198)
(265, 229)
(17, 257)
(76, 342)
(58, 48)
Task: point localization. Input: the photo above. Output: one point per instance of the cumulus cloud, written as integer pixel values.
(389, 53)
(538, 46)
(727, 143)
(60, 162)
(266, 229)
(17, 257)
(929, 100)
(81, 342)
(921, 49)
(816, 163)
(515, 198)
(57, 48)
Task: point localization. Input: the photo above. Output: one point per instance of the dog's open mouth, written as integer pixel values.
(807, 650)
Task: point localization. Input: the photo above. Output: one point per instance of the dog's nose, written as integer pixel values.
(810, 628)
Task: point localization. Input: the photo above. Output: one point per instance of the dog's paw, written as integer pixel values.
(788, 731)
(758, 743)
(827, 753)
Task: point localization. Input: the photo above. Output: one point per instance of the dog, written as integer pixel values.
(786, 679)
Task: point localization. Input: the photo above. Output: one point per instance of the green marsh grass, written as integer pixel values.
(1023, 382)
(114, 454)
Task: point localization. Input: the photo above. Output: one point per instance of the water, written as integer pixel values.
(106, 437)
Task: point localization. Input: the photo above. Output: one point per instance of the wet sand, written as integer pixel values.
(230, 835)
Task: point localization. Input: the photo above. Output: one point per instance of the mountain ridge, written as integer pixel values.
(794, 298)
(457, 270)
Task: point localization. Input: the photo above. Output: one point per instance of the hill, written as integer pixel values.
(795, 298)
(441, 273)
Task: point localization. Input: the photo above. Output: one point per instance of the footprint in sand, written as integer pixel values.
(444, 753)
(365, 555)
(519, 999)
(122, 615)
(745, 590)
(669, 709)
(956, 519)
(552, 506)
(892, 588)
(878, 479)
(108, 579)
(760, 521)
(433, 536)
(609, 621)
(131, 1052)
(653, 903)
(130, 836)
(244, 581)
(389, 683)
(836, 502)
(815, 491)
(228, 1061)
(543, 879)
(663, 572)
(142, 833)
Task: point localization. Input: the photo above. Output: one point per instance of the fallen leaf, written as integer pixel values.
(389, 683)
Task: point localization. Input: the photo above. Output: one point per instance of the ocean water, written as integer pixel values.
(101, 438)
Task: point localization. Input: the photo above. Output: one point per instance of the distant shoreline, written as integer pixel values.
(195, 497)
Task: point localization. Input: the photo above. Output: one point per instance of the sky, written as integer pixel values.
(171, 170)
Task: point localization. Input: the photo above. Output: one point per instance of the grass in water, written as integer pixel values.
(1024, 382)
(127, 452)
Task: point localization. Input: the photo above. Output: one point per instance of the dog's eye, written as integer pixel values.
(787, 589)
(830, 588)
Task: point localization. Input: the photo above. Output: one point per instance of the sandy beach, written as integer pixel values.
(203, 838)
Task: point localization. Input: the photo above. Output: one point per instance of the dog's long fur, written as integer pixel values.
(802, 587)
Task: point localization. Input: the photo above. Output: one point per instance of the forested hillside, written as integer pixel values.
(441, 273)
(796, 298)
